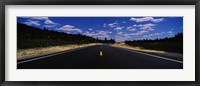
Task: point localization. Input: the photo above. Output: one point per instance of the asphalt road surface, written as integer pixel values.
(100, 57)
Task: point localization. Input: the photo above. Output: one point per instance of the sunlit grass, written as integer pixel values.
(25, 53)
(123, 45)
(156, 52)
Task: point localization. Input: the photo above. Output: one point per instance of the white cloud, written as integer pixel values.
(87, 33)
(120, 39)
(157, 20)
(103, 32)
(99, 33)
(144, 28)
(133, 29)
(31, 22)
(156, 34)
(37, 18)
(49, 26)
(138, 33)
(104, 25)
(170, 32)
(130, 28)
(141, 32)
(125, 36)
(144, 19)
(135, 25)
(121, 36)
(141, 19)
(153, 34)
(69, 28)
(148, 26)
(49, 22)
(115, 24)
(102, 36)
(119, 33)
(129, 35)
(90, 29)
(118, 28)
(45, 19)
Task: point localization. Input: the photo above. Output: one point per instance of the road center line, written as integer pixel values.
(101, 53)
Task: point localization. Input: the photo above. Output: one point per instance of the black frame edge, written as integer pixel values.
(98, 2)
(197, 47)
(2, 42)
(97, 83)
(102, 2)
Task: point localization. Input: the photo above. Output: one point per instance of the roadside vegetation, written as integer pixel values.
(173, 44)
(136, 48)
(172, 55)
(32, 41)
(26, 53)
(32, 37)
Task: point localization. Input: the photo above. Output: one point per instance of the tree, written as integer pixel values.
(45, 28)
(105, 39)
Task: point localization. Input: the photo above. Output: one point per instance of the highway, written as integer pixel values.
(100, 57)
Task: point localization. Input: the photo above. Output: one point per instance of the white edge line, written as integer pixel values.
(33, 59)
(39, 58)
(153, 55)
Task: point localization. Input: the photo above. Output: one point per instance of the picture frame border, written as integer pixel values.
(99, 2)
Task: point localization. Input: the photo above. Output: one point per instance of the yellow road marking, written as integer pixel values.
(101, 53)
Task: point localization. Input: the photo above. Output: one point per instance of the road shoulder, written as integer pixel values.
(51, 53)
(170, 55)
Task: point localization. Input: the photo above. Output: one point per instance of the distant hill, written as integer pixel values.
(32, 37)
(173, 44)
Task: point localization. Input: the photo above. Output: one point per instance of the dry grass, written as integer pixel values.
(24, 53)
(123, 45)
(156, 52)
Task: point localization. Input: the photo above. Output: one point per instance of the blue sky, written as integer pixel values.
(118, 28)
